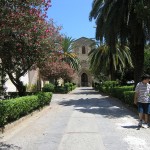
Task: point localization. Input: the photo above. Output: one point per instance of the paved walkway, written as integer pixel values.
(81, 120)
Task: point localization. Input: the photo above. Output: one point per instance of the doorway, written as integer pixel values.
(84, 80)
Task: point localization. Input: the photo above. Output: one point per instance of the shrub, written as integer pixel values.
(13, 109)
(67, 87)
(31, 88)
(106, 86)
(44, 98)
(48, 87)
(60, 89)
(129, 97)
(124, 93)
(109, 85)
(16, 94)
(74, 86)
(118, 92)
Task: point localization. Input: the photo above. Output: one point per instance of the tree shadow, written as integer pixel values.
(106, 106)
(4, 146)
(87, 91)
(132, 127)
(86, 88)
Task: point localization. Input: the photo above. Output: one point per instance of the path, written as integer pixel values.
(81, 120)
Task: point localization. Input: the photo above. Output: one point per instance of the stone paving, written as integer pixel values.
(81, 120)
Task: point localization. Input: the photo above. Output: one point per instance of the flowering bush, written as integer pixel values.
(57, 70)
(26, 37)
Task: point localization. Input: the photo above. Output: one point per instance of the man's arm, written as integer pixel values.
(135, 98)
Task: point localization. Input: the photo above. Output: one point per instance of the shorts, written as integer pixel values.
(144, 108)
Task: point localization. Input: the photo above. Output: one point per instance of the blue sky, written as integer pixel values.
(73, 16)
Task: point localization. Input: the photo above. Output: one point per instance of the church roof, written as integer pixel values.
(84, 41)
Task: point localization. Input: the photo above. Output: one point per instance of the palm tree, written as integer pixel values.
(102, 60)
(126, 21)
(68, 55)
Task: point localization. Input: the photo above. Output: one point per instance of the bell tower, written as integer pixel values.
(82, 47)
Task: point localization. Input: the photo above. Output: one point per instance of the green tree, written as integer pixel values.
(103, 61)
(67, 53)
(126, 21)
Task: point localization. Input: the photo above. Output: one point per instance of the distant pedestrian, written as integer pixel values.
(142, 100)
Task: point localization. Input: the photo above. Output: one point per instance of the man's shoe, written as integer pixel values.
(145, 125)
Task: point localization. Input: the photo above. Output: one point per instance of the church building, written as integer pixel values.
(82, 47)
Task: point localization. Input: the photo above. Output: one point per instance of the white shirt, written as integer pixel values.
(143, 91)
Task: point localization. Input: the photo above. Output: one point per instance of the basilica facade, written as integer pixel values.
(82, 47)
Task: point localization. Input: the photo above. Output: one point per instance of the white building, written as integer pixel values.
(30, 79)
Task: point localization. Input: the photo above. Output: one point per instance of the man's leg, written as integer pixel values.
(146, 118)
(141, 118)
(146, 111)
(140, 111)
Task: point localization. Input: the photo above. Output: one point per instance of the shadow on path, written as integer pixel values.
(87, 93)
(132, 127)
(4, 146)
(106, 106)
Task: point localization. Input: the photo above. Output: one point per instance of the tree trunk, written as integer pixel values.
(112, 69)
(21, 88)
(137, 42)
(18, 84)
(137, 52)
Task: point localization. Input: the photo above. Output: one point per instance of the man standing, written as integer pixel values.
(142, 99)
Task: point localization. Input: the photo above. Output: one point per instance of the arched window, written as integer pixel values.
(83, 49)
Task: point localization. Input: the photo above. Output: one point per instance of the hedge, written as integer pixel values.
(129, 97)
(13, 109)
(118, 92)
(49, 87)
(124, 93)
